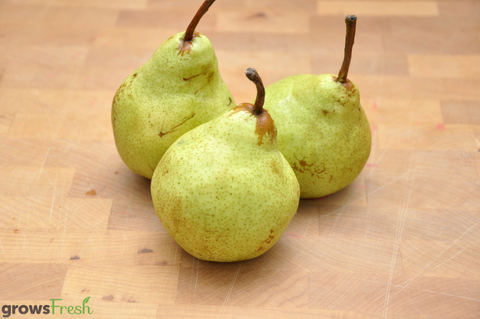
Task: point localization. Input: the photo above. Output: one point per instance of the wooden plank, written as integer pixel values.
(127, 37)
(458, 8)
(433, 297)
(173, 19)
(94, 247)
(332, 253)
(122, 4)
(390, 8)
(415, 112)
(31, 281)
(72, 127)
(461, 112)
(232, 63)
(44, 16)
(259, 22)
(371, 287)
(145, 284)
(46, 54)
(37, 213)
(232, 312)
(427, 137)
(444, 66)
(41, 181)
(444, 259)
(242, 287)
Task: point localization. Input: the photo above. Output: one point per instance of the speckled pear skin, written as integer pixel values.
(323, 131)
(169, 95)
(224, 191)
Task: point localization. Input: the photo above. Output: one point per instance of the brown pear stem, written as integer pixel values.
(351, 22)
(253, 76)
(196, 19)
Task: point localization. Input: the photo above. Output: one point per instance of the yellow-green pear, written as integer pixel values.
(322, 128)
(177, 89)
(223, 190)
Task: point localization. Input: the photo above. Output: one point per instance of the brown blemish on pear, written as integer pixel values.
(114, 114)
(174, 128)
(265, 124)
(348, 85)
(269, 239)
(303, 164)
(210, 77)
(303, 167)
(276, 169)
(188, 79)
(186, 43)
(186, 46)
(122, 88)
(209, 80)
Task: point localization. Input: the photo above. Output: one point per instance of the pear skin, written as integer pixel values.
(176, 90)
(323, 131)
(223, 190)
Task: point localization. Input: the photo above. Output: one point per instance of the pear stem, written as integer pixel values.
(196, 19)
(253, 76)
(351, 22)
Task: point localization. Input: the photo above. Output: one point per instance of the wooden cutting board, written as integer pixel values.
(402, 241)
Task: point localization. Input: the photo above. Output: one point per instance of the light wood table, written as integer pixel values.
(402, 241)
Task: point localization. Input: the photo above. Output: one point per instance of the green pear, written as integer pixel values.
(223, 190)
(322, 128)
(177, 89)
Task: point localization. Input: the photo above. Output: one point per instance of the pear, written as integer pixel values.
(322, 128)
(223, 190)
(177, 89)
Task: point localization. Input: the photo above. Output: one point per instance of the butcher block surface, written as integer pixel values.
(402, 241)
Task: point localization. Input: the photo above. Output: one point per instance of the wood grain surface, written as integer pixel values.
(402, 241)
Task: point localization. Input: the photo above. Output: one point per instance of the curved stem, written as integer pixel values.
(351, 22)
(196, 19)
(253, 76)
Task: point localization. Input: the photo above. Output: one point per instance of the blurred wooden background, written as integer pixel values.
(402, 241)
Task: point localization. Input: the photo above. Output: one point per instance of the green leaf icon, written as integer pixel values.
(86, 300)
